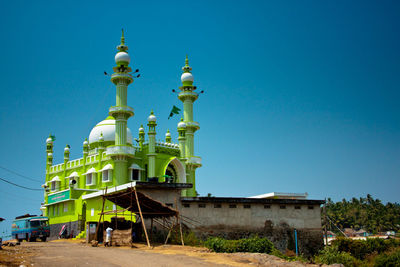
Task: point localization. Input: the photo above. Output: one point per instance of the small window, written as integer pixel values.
(310, 207)
(267, 206)
(65, 207)
(202, 205)
(53, 186)
(297, 207)
(282, 207)
(135, 174)
(217, 206)
(107, 175)
(232, 206)
(247, 206)
(169, 204)
(186, 205)
(57, 210)
(89, 179)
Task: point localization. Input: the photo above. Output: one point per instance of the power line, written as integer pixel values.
(23, 176)
(24, 187)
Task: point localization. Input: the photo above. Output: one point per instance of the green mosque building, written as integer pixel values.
(112, 164)
(111, 159)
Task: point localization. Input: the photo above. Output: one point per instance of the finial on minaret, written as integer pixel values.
(186, 68)
(122, 47)
(122, 37)
(187, 77)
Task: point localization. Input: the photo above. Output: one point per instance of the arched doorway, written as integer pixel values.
(176, 170)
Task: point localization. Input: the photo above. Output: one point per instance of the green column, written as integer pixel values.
(188, 96)
(152, 145)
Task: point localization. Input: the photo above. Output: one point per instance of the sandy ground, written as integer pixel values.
(75, 253)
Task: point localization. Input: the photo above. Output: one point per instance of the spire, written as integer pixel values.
(122, 47)
(186, 68)
(122, 37)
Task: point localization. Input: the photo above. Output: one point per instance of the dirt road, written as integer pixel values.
(62, 254)
(67, 253)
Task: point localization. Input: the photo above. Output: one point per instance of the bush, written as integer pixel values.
(388, 259)
(331, 255)
(360, 249)
(357, 248)
(252, 244)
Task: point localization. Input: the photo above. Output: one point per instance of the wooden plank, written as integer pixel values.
(102, 210)
(180, 223)
(141, 217)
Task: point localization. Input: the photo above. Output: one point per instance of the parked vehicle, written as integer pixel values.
(30, 228)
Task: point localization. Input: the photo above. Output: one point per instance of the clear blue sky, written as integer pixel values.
(300, 96)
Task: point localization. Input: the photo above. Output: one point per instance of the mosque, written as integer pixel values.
(111, 159)
(165, 171)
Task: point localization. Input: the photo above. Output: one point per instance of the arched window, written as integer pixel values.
(107, 173)
(55, 184)
(135, 172)
(91, 176)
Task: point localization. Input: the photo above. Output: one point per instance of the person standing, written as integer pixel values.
(109, 231)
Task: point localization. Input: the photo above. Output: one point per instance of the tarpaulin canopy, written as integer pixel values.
(150, 208)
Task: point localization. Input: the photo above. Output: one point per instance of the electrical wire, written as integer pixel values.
(23, 176)
(21, 186)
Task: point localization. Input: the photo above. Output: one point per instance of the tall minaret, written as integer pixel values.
(188, 96)
(121, 112)
(49, 155)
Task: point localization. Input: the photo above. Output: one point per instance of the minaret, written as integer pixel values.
(168, 138)
(182, 139)
(141, 136)
(85, 153)
(121, 112)
(188, 96)
(66, 159)
(152, 145)
(101, 150)
(49, 155)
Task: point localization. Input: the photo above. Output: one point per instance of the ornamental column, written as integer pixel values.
(66, 159)
(141, 136)
(49, 154)
(152, 145)
(121, 151)
(188, 97)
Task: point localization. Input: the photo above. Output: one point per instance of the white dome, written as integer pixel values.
(141, 129)
(122, 57)
(168, 134)
(151, 118)
(49, 140)
(66, 149)
(85, 143)
(187, 77)
(107, 127)
(181, 124)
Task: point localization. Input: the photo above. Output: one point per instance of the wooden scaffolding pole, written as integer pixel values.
(102, 210)
(169, 233)
(141, 217)
(180, 223)
(131, 218)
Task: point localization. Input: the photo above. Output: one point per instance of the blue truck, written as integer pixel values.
(30, 227)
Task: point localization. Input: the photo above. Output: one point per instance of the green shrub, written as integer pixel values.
(189, 238)
(331, 255)
(252, 244)
(388, 259)
(357, 248)
(255, 244)
(360, 249)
